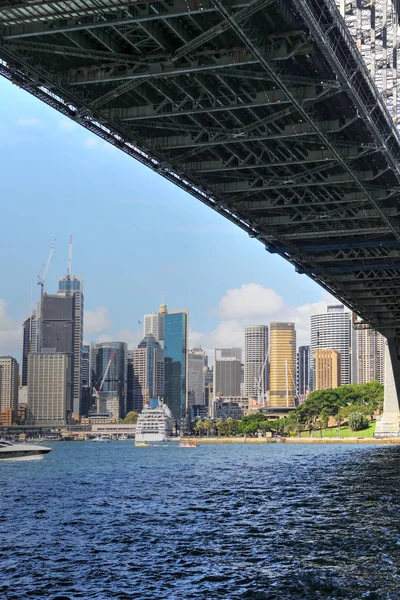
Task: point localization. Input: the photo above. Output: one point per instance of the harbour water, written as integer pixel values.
(256, 522)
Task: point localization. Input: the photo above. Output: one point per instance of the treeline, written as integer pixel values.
(352, 404)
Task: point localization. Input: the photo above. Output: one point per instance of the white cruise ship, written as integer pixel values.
(154, 424)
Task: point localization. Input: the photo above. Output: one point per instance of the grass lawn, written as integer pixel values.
(345, 432)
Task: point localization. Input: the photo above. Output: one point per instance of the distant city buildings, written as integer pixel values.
(176, 363)
(333, 330)
(256, 367)
(147, 362)
(282, 365)
(327, 365)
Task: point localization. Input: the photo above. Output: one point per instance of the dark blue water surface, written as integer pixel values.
(215, 522)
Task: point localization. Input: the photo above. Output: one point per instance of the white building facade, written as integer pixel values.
(332, 330)
(255, 354)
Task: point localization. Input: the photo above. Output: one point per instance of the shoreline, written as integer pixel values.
(289, 440)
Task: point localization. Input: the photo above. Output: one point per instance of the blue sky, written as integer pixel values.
(135, 235)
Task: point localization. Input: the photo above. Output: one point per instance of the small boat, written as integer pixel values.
(11, 451)
(187, 445)
(101, 438)
(141, 444)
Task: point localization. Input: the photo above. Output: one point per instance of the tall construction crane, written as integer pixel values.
(69, 268)
(96, 393)
(42, 279)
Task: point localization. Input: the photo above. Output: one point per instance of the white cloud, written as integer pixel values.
(90, 143)
(249, 301)
(132, 338)
(10, 332)
(29, 122)
(253, 304)
(96, 320)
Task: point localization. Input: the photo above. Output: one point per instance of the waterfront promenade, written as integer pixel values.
(289, 440)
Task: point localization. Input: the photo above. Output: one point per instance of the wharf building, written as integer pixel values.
(115, 383)
(333, 330)
(176, 325)
(327, 368)
(282, 365)
(49, 388)
(197, 359)
(370, 356)
(256, 376)
(9, 380)
(146, 368)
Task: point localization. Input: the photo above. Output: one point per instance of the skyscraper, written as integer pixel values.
(154, 323)
(86, 390)
(48, 382)
(303, 370)
(73, 286)
(57, 335)
(227, 374)
(115, 383)
(29, 344)
(196, 376)
(326, 368)
(176, 363)
(255, 353)
(370, 356)
(333, 330)
(9, 371)
(282, 365)
(147, 365)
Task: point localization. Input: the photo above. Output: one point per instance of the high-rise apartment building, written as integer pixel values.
(227, 374)
(282, 365)
(48, 380)
(327, 368)
(256, 367)
(154, 323)
(370, 356)
(333, 330)
(303, 371)
(115, 383)
(9, 373)
(147, 368)
(196, 376)
(176, 363)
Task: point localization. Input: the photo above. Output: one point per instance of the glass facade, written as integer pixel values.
(175, 363)
(115, 384)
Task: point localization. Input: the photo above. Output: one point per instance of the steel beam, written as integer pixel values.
(212, 104)
(60, 23)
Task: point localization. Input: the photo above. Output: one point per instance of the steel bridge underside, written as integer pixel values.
(261, 109)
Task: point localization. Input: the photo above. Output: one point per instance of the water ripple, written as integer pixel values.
(268, 522)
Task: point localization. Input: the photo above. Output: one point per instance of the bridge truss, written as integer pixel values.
(262, 109)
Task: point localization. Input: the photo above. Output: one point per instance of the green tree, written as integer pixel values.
(358, 421)
(131, 417)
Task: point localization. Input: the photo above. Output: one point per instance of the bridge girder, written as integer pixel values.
(263, 111)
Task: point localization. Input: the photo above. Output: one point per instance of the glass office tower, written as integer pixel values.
(115, 383)
(176, 363)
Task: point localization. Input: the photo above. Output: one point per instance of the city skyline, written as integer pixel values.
(118, 215)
